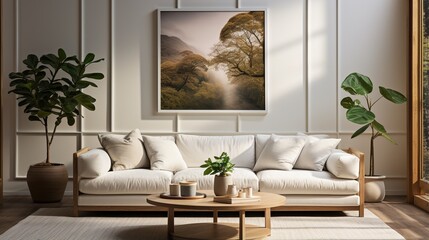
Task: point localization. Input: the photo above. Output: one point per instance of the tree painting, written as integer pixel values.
(212, 60)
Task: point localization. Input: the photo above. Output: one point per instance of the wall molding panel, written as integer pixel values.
(312, 46)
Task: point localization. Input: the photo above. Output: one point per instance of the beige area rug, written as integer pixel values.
(57, 224)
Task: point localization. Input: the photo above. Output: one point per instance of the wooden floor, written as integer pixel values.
(409, 221)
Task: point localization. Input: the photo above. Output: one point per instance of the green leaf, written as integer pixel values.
(347, 103)
(360, 131)
(85, 100)
(89, 57)
(70, 69)
(43, 114)
(359, 115)
(70, 120)
(356, 83)
(380, 128)
(392, 95)
(33, 118)
(97, 76)
(61, 54)
(207, 171)
(69, 104)
(84, 84)
(31, 61)
(14, 75)
(51, 60)
(68, 81)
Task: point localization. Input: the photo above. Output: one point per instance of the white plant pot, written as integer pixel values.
(221, 183)
(375, 190)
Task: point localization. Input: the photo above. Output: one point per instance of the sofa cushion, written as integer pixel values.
(305, 182)
(343, 165)
(241, 177)
(279, 153)
(163, 154)
(315, 153)
(134, 181)
(126, 152)
(262, 139)
(94, 163)
(196, 149)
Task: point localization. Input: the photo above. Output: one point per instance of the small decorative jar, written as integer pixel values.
(188, 188)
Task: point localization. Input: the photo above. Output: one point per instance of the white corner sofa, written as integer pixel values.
(308, 170)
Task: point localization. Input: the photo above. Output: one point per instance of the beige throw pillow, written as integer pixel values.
(126, 152)
(163, 154)
(280, 153)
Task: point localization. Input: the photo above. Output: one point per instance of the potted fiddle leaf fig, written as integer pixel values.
(223, 168)
(52, 88)
(362, 113)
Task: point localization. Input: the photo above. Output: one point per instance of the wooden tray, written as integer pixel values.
(197, 196)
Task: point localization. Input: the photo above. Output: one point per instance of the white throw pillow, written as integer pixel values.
(163, 154)
(315, 153)
(127, 151)
(343, 165)
(262, 139)
(94, 163)
(280, 153)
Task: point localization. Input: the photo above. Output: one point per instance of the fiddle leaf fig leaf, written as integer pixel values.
(392, 95)
(70, 120)
(61, 54)
(360, 115)
(89, 57)
(31, 61)
(96, 76)
(357, 84)
(33, 118)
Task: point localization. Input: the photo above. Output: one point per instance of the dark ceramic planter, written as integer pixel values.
(47, 183)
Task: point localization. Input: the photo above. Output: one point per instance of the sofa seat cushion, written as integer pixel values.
(241, 177)
(133, 181)
(305, 182)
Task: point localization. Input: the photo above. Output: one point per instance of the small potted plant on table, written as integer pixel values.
(223, 168)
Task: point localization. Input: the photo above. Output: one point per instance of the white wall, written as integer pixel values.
(312, 46)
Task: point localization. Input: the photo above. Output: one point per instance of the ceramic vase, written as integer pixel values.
(221, 185)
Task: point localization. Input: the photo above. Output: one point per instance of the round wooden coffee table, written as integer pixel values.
(217, 230)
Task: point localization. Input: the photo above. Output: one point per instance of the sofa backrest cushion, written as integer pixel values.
(163, 154)
(196, 149)
(343, 165)
(94, 163)
(262, 139)
(126, 152)
(280, 153)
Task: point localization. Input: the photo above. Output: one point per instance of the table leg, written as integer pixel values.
(268, 218)
(215, 215)
(242, 226)
(170, 221)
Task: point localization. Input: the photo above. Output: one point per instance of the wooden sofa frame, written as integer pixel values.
(360, 208)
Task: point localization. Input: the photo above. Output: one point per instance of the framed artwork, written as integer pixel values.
(212, 61)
